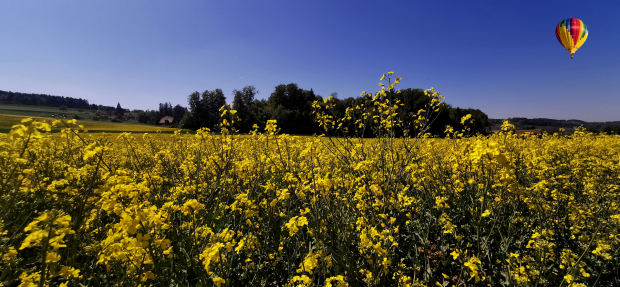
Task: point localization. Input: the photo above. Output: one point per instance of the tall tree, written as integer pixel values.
(165, 109)
(197, 108)
(212, 101)
(119, 112)
(178, 112)
(292, 108)
(242, 103)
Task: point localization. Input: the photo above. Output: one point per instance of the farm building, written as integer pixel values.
(166, 120)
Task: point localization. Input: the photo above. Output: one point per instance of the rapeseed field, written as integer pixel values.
(269, 209)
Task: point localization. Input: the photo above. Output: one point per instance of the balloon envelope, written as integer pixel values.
(571, 33)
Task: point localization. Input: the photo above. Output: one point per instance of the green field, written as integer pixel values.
(7, 121)
(47, 112)
(40, 111)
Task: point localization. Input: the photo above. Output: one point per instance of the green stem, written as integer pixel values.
(44, 256)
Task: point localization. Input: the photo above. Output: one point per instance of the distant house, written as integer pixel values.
(166, 120)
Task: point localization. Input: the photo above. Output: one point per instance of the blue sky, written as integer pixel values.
(498, 56)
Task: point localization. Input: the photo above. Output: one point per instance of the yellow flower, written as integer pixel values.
(473, 267)
(29, 280)
(147, 276)
(192, 206)
(486, 213)
(211, 254)
(52, 257)
(33, 239)
(310, 262)
(455, 254)
(382, 78)
(465, 118)
(294, 224)
(67, 272)
(10, 255)
(303, 278)
(218, 281)
(339, 281)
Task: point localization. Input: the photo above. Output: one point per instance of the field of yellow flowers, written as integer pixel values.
(216, 209)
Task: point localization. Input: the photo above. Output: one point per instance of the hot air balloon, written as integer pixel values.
(571, 33)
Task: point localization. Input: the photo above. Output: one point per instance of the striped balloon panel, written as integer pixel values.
(571, 33)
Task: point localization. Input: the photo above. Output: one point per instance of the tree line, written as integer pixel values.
(44, 100)
(291, 106)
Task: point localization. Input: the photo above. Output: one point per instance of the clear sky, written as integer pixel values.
(498, 56)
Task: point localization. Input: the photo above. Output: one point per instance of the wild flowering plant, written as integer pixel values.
(401, 208)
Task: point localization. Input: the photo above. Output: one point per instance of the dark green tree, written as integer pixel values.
(259, 110)
(119, 112)
(189, 121)
(212, 101)
(197, 108)
(292, 108)
(242, 103)
(149, 117)
(165, 110)
(178, 112)
(480, 119)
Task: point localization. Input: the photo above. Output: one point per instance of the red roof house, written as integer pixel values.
(166, 120)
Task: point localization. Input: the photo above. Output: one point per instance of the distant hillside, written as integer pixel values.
(551, 125)
(42, 105)
(44, 100)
